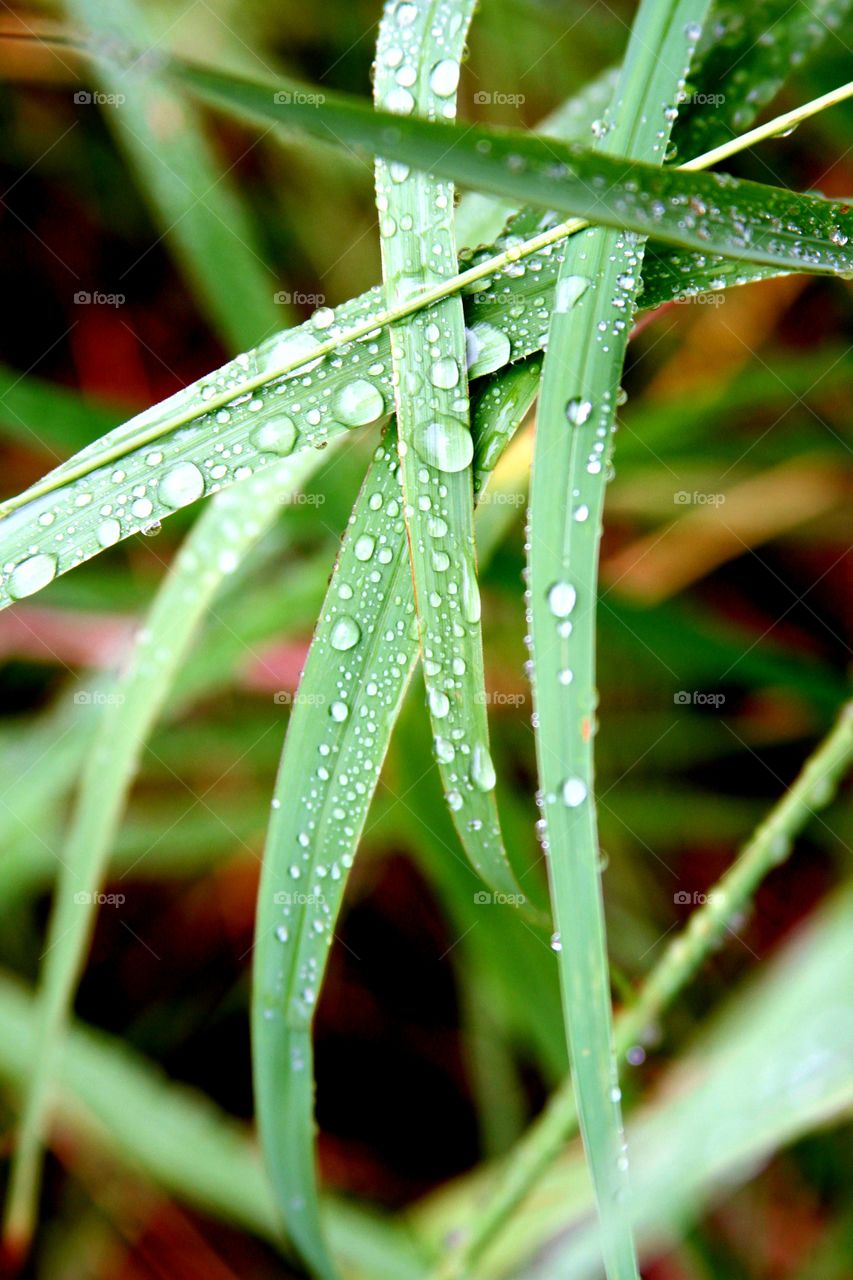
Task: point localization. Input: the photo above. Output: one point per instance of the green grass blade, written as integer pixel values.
(714, 213)
(745, 54)
(178, 1139)
(587, 340)
(347, 704)
(756, 1069)
(685, 953)
(118, 486)
(195, 204)
(436, 445)
(226, 532)
(229, 423)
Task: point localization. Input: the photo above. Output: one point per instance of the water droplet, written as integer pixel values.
(445, 373)
(339, 711)
(561, 599)
(444, 78)
(108, 532)
(445, 443)
(482, 769)
(488, 349)
(181, 486)
(277, 437)
(31, 575)
(346, 633)
(364, 547)
(358, 403)
(574, 792)
(569, 290)
(439, 703)
(556, 942)
(444, 751)
(578, 411)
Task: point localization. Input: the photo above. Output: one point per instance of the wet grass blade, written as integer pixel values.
(436, 446)
(711, 213)
(587, 340)
(260, 406)
(226, 532)
(179, 1139)
(193, 200)
(769, 845)
(361, 659)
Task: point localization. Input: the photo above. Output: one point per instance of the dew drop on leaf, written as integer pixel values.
(561, 599)
(358, 403)
(31, 575)
(182, 485)
(346, 634)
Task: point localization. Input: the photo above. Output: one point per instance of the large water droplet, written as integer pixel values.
(439, 703)
(569, 291)
(482, 769)
(445, 443)
(574, 792)
(444, 77)
(182, 485)
(108, 532)
(488, 349)
(561, 599)
(578, 411)
(358, 403)
(445, 373)
(278, 436)
(31, 575)
(346, 633)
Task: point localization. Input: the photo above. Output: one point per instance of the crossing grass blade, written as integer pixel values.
(711, 213)
(225, 534)
(298, 390)
(194, 202)
(178, 1139)
(769, 845)
(436, 446)
(362, 655)
(587, 340)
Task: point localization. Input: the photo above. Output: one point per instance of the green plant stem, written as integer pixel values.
(287, 367)
(224, 535)
(708, 925)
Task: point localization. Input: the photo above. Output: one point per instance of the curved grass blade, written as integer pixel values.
(194, 202)
(179, 1139)
(294, 391)
(436, 445)
(769, 845)
(744, 55)
(588, 336)
(361, 659)
(226, 532)
(711, 213)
